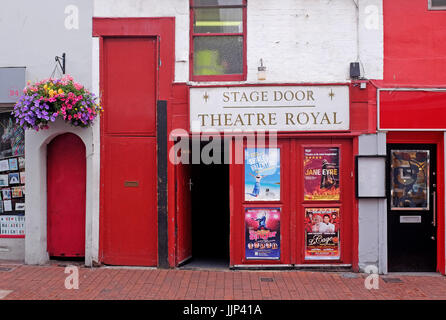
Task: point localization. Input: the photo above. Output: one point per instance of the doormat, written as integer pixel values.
(5, 269)
(392, 280)
(266, 279)
(349, 275)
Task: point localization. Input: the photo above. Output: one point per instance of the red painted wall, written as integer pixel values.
(66, 177)
(414, 43)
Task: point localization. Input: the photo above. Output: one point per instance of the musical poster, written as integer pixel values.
(321, 174)
(262, 233)
(262, 174)
(322, 234)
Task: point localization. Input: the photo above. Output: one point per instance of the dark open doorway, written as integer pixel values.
(210, 213)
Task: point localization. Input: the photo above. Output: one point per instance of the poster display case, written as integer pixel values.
(12, 178)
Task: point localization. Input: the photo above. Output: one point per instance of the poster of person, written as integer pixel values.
(322, 234)
(262, 237)
(321, 174)
(409, 179)
(262, 174)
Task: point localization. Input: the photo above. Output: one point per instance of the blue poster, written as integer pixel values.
(262, 174)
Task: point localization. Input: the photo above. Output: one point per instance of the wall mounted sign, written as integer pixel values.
(322, 234)
(281, 108)
(12, 82)
(409, 179)
(262, 174)
(262, 233)
(321, 173)
(12, 225)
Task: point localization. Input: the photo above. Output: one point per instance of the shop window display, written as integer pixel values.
(12, 177)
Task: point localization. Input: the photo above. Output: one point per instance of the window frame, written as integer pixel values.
(430, 7)
(192, 35)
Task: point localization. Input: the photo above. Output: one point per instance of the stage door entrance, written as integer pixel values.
(208, 223)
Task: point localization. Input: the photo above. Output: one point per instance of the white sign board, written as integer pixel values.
(371, 181)
(281, 108)
(12, 225)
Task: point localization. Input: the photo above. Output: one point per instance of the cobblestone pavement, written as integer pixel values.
(48, 282)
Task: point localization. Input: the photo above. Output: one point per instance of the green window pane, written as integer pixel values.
(218, 55)
(215, 20)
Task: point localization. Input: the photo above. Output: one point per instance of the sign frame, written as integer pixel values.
(359, 187)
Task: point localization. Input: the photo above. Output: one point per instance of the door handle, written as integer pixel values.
(434, 207)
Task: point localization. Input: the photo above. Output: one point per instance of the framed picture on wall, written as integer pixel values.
(6, 193)
(14, 178)
(13, 165)
(17, 192)
(7, 205)
(4, 182)
(21, 162)
(4, 165)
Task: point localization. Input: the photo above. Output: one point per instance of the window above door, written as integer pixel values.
(218, 40)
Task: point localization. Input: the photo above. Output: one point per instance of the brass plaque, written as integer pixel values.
(131, 184)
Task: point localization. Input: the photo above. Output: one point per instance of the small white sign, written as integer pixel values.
(281, 108)
(371, 177)
(410, 219)
(12, 225)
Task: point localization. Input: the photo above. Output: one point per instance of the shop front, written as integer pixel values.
(414, 121)
(290, 154)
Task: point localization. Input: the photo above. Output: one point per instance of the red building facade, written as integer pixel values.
(215, 211)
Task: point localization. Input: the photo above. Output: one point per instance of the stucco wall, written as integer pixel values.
(32, 33)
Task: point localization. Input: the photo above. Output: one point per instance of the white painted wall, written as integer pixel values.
(36, 187)
(298, 40)
(32, 33)
(372, 214)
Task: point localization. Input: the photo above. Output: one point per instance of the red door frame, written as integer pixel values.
(436, 138)
(164, 30)
(292, 245)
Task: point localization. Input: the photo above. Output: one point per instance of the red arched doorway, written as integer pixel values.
(66, 168)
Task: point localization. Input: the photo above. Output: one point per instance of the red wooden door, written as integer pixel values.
(240, 204)
(130, 216)
(66, 165)
(314, 200)
(128, 159)
(184, 214)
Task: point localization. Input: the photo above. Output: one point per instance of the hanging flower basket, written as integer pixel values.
(43, 102)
